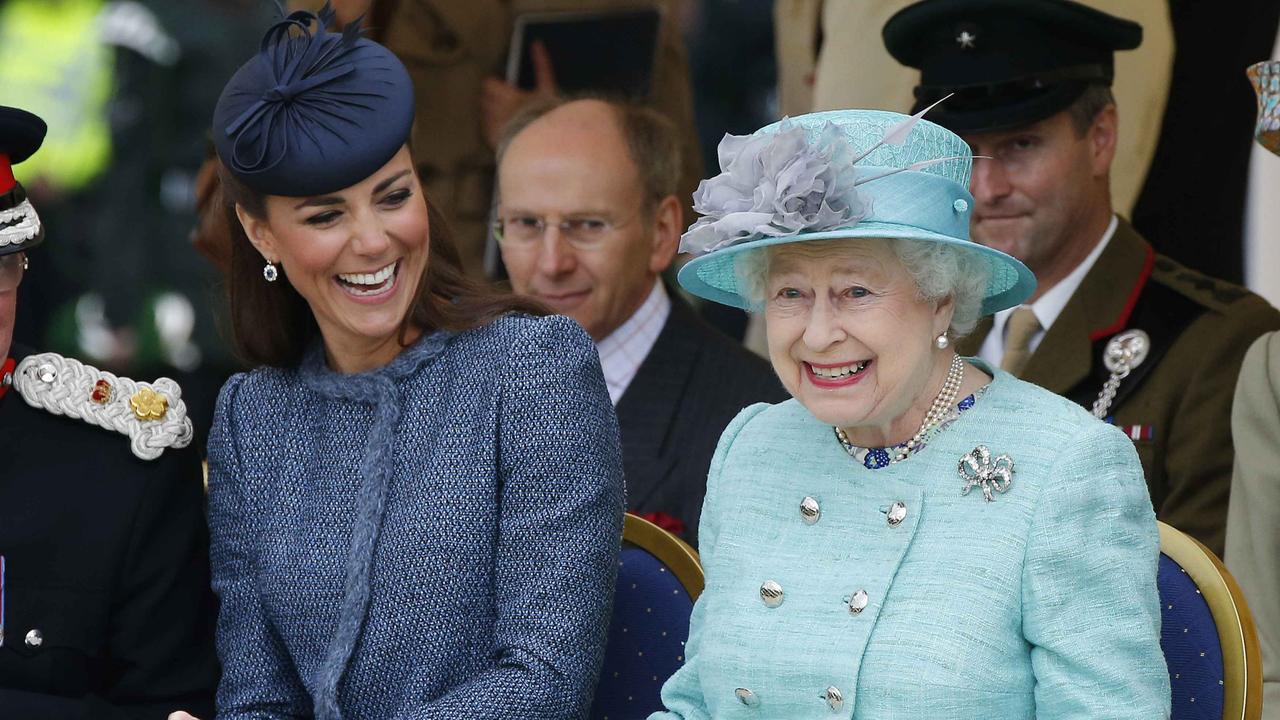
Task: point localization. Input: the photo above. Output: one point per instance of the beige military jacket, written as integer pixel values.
(1253, 520)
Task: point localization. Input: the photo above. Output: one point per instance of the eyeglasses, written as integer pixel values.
(582, 232)
(11, 268)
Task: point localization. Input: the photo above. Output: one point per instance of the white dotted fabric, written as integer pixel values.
(27, 227)
(67, 391)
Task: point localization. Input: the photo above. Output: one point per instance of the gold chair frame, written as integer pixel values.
(673, 552)
(1237, 634)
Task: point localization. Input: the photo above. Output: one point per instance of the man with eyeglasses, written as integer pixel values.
(587, 221)
(105, 606)
(1143, 342)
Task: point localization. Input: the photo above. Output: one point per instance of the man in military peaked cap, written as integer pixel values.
(105, 607)
(1145, 343)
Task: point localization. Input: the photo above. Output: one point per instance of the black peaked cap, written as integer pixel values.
(1008, 62)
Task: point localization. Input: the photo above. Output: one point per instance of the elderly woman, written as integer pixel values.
(415, 502)
(915, 534)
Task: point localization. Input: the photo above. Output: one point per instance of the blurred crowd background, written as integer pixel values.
(128, 87)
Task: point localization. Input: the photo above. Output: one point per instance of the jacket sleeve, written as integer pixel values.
(682, 693)
(1091, 609)
(258, 681)
(1253, 531)
(160, 641)
(562, 498)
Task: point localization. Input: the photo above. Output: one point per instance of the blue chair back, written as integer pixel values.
(1206, 633)
(1189, 638)
(658, 581)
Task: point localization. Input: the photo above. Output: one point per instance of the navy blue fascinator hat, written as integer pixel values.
(315, 111)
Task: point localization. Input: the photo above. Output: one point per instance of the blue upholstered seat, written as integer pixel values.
(1189, 638)
(646, 637)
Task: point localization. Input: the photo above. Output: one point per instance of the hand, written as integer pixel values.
(182, 715)
(500, 101)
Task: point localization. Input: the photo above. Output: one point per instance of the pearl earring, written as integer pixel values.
(942, 342)
(270, 273)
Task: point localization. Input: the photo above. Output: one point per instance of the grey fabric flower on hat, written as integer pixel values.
(775, 185)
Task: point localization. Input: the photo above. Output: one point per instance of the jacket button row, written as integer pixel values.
(833, 696)
(811, 512)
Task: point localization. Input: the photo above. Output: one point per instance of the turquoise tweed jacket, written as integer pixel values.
(1040, 604)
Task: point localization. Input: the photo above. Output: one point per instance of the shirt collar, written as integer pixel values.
(1051, 304)
(623, 351)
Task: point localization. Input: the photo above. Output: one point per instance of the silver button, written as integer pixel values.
(34, 638)
(47, 373)
(746, 697)
(810, 511)
(897, 513)
(834, 698)
(771, 593)
(858, 602)
(7, 380)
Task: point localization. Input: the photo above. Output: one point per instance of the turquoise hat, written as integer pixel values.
(838, 174)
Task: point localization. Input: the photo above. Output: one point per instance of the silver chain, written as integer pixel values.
(1108, 394)
(1123, 353)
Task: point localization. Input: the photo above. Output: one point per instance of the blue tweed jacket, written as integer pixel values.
(1040, 604)
(435, 539)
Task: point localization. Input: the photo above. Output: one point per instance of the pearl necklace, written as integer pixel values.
(937, 411)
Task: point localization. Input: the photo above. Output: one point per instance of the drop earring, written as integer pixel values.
(942, 342)
(270, 273)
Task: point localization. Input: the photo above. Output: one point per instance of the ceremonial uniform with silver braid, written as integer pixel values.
(105, 605)
(153, 416)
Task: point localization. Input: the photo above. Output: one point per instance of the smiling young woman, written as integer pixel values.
(273, 323)
(415, 497)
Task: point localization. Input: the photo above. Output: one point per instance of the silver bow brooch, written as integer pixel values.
(978, 469)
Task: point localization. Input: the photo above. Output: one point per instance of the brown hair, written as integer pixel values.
(271, 324)
(650, 137)
(1085, 109)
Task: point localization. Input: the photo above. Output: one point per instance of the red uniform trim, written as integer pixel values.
(6, 368)
(7, 181)
(1, 601)
(1123, 318)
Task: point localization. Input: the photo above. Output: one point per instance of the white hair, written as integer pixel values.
(939, 271)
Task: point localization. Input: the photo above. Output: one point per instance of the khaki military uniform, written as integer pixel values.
(1177, 403)
(1253, 533)
(449, 47)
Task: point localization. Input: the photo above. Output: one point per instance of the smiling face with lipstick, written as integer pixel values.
(853, 338)
(356, 257)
